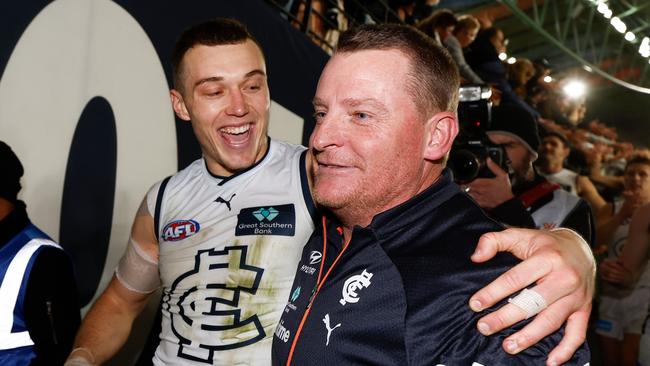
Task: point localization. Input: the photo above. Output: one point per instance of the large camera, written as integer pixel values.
(472, 147)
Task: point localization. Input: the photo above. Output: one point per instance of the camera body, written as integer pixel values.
(472, 147)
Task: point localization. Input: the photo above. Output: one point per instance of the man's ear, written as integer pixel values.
(178, 103)
(440, 130)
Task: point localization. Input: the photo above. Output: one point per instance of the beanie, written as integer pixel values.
(518, 123)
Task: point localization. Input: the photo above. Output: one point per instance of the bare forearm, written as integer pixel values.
(606, 229)
(608, 181)
(107, 325)
(636, 250)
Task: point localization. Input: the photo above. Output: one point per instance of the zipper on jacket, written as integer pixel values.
(316, 290)
(50, 316)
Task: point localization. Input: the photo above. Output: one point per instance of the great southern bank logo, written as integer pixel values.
(180, 229)
(266, 213)
(267, 220)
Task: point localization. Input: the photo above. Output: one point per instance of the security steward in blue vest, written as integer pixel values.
(39, 310)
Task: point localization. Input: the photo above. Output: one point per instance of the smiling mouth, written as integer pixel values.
(236, 130)
(236, 136)
(333, 167)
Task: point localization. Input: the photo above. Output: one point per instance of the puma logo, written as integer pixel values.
(326, 320)
(227, 203)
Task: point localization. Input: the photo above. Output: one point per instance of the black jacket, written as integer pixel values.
(399, 292)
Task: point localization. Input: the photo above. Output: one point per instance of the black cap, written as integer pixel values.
(10, 172)
(518, 123)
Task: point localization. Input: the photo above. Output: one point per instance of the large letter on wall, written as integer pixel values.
(83, 101)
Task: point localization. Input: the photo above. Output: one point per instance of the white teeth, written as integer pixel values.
(236, 130)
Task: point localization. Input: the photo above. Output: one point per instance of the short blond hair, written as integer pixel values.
(468, 22)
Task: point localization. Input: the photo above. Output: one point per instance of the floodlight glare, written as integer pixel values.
(575, 89)
(503, 56)
(644, 48)
(618, 24)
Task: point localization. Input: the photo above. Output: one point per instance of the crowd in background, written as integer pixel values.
(586, 157)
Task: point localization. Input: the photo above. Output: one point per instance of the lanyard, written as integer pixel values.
(319, 283)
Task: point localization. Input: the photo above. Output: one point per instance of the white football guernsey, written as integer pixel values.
(553, 213)
(229, 248)
(614, 251)
(565, 178)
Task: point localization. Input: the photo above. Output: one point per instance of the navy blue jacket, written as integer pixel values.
(398, 295)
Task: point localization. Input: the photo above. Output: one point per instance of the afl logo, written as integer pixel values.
(180, 229)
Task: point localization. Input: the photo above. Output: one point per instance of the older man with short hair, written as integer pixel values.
(392, 280)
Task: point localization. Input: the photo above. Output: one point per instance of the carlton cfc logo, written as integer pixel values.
(354, 284)
(211, 306)
(180, 229)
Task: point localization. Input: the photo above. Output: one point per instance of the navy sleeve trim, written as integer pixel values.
(159, 197)
(304, 183)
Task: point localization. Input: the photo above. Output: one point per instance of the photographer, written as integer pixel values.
(524, 198)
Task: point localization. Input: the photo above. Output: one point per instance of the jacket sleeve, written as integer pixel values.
(489, 351)
(51, 306)
(581, 220)
(512, 213)
(441, 330)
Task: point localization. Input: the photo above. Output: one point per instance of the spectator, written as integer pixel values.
(439, 25)
(483, 57)
(634, 259)
(529, 200)
(404, 10)
(519, 74)
(554, 150)
(624, 304)
(463, 35)
(538, 88)
(39, 306)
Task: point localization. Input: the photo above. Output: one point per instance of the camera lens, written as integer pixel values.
(465, 165)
